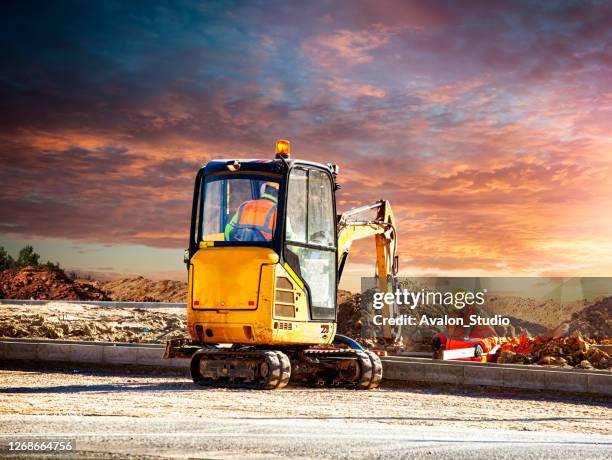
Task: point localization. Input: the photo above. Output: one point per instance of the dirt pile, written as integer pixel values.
(574, 351)
(141, 289)
(352, 316)
(44, 283)
(547, 313)
(594, 321)
(92, 323)
(349, 314)
(519, 327)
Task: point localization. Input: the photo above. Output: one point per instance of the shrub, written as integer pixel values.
(6, 261)
(27, 256)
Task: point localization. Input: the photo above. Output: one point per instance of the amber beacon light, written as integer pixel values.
(283, 148)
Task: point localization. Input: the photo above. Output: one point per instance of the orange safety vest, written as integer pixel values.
(260, 214)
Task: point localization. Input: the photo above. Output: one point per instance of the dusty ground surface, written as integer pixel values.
(31, 392)
(283, 437)
(88, 322)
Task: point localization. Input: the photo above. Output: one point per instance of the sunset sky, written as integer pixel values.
(488, 125)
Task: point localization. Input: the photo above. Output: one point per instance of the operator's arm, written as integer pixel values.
(231, 225)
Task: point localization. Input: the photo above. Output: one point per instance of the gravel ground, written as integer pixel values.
(32, 392)
(302, 438)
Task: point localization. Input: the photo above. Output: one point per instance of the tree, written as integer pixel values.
(27, 256)
(55, 267)
(6, 261)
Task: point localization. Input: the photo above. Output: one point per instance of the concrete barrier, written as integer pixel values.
(486, 376)
(20, 350)
(447, 373)
(401, 369)
(88, 353)
(54, 352)
(527, 379)
(599, 384)
(567, 382)
(498, 375)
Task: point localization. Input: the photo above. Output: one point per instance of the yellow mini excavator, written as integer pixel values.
(266, 253)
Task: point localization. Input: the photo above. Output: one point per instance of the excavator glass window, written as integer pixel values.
(239, 209)
(310, 242)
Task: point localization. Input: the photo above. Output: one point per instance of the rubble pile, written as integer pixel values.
(45, 283)
(141, 289)
(573, 351)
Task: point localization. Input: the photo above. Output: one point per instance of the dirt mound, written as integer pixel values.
(349, 314)
(87, 322)
(352, 316)
(594, 320)
(43, 283)
(519, 327)
(141, 289)
(547, 313)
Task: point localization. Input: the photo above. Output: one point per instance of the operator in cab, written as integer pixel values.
(255, 220)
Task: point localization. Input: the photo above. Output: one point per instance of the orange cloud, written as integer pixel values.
(346, 46)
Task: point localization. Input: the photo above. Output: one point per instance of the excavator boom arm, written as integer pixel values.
(383, 228)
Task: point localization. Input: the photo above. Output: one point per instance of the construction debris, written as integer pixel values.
(574, 351)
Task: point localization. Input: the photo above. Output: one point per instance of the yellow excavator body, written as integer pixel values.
(243, 295)
(266, 253)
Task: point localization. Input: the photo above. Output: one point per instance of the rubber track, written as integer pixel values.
(278, 376)
(285, 370)
(369, 364)
(377, 370)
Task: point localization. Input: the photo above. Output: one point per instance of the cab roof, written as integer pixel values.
(271, 166)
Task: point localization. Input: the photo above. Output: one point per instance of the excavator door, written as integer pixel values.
(310, 243)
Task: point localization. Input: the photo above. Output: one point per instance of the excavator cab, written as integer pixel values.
(263, 253)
